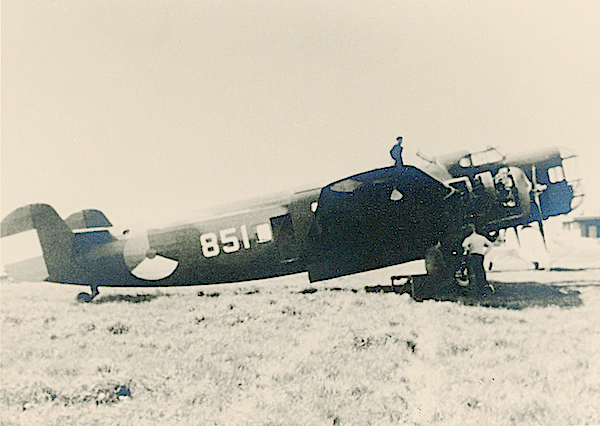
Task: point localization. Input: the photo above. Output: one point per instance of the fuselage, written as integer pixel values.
(370, 220)
(257, 243)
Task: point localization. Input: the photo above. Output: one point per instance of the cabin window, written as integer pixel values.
(461, 184)
(264, 233)
(556, 174)
(487, 180)
(396, 195)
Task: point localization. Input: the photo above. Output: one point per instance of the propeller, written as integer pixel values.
(537, 190)
(517, 235)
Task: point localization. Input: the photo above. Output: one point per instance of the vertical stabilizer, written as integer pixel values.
(36, 244)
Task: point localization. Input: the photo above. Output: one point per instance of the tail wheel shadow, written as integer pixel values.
(506, 295)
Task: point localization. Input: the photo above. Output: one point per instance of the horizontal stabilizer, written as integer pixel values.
(18, 221)
(86, 219)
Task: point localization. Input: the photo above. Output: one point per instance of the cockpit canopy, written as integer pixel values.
(489, 156)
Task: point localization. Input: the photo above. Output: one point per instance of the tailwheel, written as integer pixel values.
(84, 298)
(87, 298)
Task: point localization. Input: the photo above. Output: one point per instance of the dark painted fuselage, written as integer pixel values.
(371, 220)
(254, 244)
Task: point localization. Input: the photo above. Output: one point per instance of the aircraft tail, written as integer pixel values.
(36, 244)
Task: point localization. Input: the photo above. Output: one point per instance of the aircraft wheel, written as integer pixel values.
(84, 298)
(462, 276)
(463, 282)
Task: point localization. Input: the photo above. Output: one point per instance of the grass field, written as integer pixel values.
(284, 352)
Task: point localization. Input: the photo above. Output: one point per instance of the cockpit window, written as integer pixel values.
(465, 162)
(488, 156)
(347, 185)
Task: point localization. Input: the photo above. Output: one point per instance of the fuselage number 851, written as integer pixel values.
(227, 241)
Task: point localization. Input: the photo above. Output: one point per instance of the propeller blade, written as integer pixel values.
(538, 204)
(537, 190)
(541, 223)
(517, 235)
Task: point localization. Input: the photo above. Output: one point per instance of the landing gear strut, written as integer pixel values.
(87, 298)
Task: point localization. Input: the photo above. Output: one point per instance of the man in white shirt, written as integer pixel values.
(475, 247)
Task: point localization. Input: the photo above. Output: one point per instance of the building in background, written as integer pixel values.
(587, 226)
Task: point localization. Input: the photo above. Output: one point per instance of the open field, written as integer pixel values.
(285, 352)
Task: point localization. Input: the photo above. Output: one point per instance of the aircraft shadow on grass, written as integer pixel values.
(506, 295)
(128, 298)
(140, 298)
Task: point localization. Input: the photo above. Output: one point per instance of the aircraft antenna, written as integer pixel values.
(425, 157)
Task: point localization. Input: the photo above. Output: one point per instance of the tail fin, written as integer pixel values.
(36, 244)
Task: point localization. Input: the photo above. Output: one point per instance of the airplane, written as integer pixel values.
(371, 220)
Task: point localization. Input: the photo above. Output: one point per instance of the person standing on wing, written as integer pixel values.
(475, 247)
(396, 152)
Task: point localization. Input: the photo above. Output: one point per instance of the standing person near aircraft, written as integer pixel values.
(475, 247)
(396, 152)
(435, 263)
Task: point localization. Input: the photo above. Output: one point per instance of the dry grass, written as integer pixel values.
(273, 354)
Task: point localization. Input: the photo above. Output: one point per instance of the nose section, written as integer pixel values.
(578, 194)
(572, 176)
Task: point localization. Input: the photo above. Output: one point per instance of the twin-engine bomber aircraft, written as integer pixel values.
(375, 219)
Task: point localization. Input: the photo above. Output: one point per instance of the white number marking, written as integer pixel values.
(228, 237)
(230, 242)
(245, 238)
(210, 245)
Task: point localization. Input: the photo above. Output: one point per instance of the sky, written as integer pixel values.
(149, 109)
